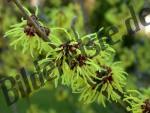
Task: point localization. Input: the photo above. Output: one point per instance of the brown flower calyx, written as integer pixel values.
(146, 106)
(31, 31)
(68, 48)
(80, 60)
(105, 74)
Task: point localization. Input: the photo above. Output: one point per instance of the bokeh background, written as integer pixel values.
(132, 50)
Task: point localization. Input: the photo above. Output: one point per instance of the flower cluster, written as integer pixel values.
(86, 66)
(109, 81)
(68, 58)
(26, 36)
(96, 78)
(138, 102)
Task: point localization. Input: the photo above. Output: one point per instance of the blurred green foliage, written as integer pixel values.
(133, 51)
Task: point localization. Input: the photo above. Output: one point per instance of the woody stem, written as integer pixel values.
(36, 26)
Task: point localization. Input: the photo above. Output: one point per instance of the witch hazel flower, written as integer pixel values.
(73, 64)
(69, 59)
(26, 36)
(109, 81)
(138, 102)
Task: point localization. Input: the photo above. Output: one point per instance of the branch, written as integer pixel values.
(43, 34)
(36, 26)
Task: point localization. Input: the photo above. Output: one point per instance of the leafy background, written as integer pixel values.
(133, 51)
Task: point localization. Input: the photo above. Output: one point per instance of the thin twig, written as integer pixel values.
(19, 5)
(43, 34)
(36, 26)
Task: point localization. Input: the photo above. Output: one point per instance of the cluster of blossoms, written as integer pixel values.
(27, 37)
(108, 81)
(138, 102)
(95, 76)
